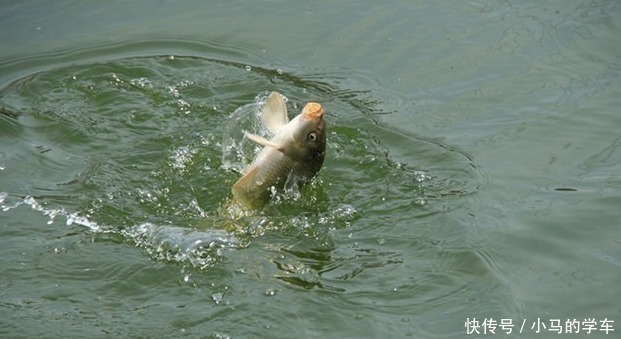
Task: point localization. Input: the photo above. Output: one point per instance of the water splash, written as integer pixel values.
(238, 151)
(168, 192)
(197, 248)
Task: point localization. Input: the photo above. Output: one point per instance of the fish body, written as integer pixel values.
(295, 152)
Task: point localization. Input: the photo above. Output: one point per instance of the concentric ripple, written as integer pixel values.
(133, 148)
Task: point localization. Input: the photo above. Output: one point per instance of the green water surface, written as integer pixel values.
(472, 169)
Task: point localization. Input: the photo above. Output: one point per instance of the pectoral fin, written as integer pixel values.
(264, 142)
(274, 112)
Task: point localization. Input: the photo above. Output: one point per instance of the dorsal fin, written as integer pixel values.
(274, 112)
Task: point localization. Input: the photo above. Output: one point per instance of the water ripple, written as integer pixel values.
(137, 152)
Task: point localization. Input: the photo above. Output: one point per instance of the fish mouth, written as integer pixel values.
(312, 111)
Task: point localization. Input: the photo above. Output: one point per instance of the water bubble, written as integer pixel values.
(420, 176)
(217, 298)
(270, 293)
(279, 71)
(345, 212)
(248, 68)
(182, 157)
(141, 82)
(421, 201)
(183, 105)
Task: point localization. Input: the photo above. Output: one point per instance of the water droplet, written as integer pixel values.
(270, 293)
(171, 57)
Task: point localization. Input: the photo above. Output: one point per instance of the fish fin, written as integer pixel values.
(244, 180)
(264, 142)
(274, 112)
(242, 191)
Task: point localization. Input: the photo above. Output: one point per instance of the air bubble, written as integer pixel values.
(421, 201)
(217, 298)
(420, 176)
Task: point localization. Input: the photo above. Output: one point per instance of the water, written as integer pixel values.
(472, 169)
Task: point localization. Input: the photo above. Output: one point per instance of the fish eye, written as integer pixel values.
(312, 136)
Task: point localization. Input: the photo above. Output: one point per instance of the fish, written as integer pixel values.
(296, 152)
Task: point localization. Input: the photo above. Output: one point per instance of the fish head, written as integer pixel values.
(308, 138)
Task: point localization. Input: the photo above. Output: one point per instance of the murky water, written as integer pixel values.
(472, 169)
